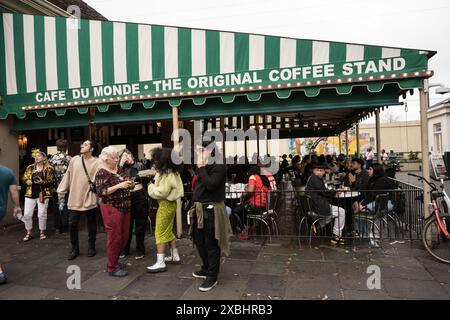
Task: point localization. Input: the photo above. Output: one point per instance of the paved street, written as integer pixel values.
(37, 270)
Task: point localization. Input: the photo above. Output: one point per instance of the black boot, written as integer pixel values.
(91, 251)
(73, 254)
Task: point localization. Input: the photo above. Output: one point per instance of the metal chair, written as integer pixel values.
(318, 221)
(269, 216)
(380, 214)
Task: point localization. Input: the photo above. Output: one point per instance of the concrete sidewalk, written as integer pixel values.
(37, 270)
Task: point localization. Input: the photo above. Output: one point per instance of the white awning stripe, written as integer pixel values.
(73, 62)
(227, 52)
(390, 53)
(11, 83)
(198, 52)
(30, 64)
(171, 52)
(51, 69)
(320, 52)
(288, 51)
(95, 42)
(256, 52)
(354, 52)
(120, 52)
(145, 52)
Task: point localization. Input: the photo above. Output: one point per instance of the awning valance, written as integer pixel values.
(58, 63)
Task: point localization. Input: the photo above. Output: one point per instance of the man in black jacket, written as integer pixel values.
(321, 201)
(208, 197)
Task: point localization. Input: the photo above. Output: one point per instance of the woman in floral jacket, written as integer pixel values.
(39, 179)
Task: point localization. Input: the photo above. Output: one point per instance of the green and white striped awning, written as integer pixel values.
(59, 63)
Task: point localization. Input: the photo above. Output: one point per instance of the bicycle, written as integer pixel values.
(435, 234)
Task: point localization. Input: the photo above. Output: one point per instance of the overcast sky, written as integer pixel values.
(398, 23)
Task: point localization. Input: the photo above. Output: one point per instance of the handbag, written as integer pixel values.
(92, 186)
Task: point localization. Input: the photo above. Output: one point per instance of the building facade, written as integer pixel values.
(438, 127)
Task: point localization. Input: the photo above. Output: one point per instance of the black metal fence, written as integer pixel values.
(290, 213)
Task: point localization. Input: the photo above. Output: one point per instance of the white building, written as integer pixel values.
(439, 126)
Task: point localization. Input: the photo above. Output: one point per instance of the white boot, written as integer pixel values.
(159, 266)
(174, 257)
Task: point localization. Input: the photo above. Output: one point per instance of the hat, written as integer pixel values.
(319, 165)
(359, 160)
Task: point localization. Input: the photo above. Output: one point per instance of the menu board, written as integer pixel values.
(438, 165)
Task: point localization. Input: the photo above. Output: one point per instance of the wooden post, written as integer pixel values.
(176, 147)
(424, 105)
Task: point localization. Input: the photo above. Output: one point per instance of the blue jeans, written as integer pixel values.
(361, 225)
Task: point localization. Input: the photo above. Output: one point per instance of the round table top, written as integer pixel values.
(347, 194)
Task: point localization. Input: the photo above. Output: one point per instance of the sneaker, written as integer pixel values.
(199, 274)
(123, 255)
(337, 241)
(139, 256)
(207, 285)
(118, 273)
(374, 243)
(3, 278)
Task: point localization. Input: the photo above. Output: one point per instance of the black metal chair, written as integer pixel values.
(268, 217)
(375, 220)
(318, 222)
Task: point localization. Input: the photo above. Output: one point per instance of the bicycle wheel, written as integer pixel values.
(435, 242)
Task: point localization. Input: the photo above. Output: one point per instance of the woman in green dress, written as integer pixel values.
(167, 189)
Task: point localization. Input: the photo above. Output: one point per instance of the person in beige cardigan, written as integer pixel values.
(167, 189)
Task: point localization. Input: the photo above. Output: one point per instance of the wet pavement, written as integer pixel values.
(254, 270)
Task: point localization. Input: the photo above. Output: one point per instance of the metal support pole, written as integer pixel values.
(346, 143)
(340, 143)
(176, 147)
(424, 105)
(378, 134)
(222, 131)
(357, 140)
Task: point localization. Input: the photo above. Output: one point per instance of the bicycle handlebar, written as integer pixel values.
(432, 185)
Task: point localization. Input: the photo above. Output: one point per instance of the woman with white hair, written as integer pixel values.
(39, 179)
(113, 187)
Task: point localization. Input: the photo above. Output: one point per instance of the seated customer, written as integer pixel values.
(378, 184)
(321, 201)
(357, 178)
(255, 197)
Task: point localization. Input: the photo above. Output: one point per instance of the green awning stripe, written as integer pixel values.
(132, 51)
(338, 52)
(39, 45)
(212, 44)
(271, 52)
(184, 52)
(372, 52)
(304, 52)
(241, 52)
(61, 52)
(158, 52)
(2, 60)
(84, 54)
(108, 52)
(19, 53)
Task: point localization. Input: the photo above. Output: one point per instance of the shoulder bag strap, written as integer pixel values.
(85, 170)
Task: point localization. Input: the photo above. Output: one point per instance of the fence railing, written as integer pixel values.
(397, 214)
